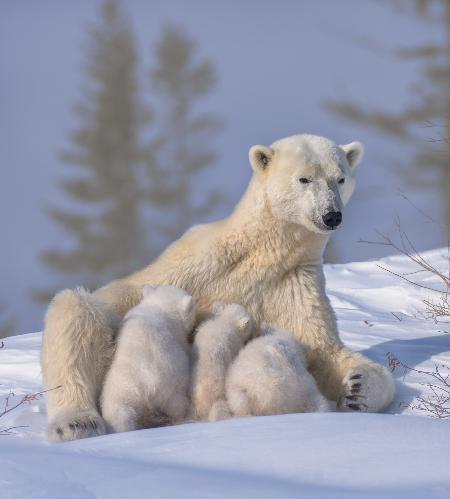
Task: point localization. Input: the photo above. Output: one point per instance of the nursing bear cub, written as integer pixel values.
(157, 379)
(217, 342)
(269, 376)
(147, 384)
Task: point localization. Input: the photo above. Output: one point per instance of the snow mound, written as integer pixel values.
(299, 455)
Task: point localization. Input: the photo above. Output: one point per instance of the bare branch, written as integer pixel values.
(30, 397)
(435, 309)
(438, 404)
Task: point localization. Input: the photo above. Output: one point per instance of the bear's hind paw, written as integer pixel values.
(76, 425)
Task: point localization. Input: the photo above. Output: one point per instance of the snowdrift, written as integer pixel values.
(403, 453)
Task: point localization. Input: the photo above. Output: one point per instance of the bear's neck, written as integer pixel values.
(258, 230)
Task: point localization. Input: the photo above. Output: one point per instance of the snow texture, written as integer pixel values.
(300, 455)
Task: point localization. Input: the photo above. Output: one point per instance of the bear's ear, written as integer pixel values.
(260, 157)
(147, 290)
(354, 153)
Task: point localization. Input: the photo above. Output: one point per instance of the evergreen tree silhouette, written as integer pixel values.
(430, 106)
(104, 158)
(185, 135)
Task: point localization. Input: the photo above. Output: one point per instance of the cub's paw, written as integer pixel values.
(75, 425)
(367, 388)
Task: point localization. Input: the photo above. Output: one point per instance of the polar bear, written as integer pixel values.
(217, 342)
(149, 377)
(269, 377)
(266, 256)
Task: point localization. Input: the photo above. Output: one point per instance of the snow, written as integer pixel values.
(399, 454)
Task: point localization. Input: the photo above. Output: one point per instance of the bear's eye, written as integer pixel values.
(341, 181)
(304, 180)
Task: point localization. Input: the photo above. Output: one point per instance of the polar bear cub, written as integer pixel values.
(269, 377)
(147, 384)
(217, 342)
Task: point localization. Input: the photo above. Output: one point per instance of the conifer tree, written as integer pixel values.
(102, 182)
(183, 144)
(429, 107)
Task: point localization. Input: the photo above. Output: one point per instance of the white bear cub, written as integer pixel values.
(148, 382)
(269, 377)
(217, 342)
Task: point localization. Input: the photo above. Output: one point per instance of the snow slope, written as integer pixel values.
(300, 455)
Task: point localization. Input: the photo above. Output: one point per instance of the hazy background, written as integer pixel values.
(213, 79)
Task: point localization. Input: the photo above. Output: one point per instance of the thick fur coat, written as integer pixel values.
(266, 256)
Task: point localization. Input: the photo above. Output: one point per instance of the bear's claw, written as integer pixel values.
(355, 388)
(351, 398)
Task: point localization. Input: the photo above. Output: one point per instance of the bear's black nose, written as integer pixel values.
(332, 219)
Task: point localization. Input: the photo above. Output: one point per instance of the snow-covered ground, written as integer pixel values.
(301, 455)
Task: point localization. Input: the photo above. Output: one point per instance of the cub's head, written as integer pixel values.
(173, 301)
(307, 179)
(238, 316)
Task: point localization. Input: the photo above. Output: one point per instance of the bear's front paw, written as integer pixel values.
(75, 425)
(353, 396)
(367, 388)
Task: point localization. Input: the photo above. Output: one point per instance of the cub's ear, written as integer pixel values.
(217, 307)
(305, 350)
(265, 329)
(243, 324)
(260, 157)
(354, 153)
(147, 290)
(187, 304)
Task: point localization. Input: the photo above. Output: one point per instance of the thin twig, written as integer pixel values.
(26, 398)
(396, 316)
(408, 280)
(8, 431)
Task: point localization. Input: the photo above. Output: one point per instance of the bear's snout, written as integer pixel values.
(332, 219)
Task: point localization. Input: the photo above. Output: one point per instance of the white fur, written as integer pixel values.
(269, 377)
(266, 256)
(217, 342)
(147, 384)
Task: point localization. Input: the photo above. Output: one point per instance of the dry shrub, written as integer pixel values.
(437, 307)
(436, 405)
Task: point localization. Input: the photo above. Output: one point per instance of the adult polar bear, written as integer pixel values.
(267, 256)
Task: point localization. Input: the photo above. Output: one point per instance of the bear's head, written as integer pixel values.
(307, 179)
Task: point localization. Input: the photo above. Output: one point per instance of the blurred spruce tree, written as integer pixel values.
(105, 156)
(184, 138)
(117, 182)
(430, 104)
